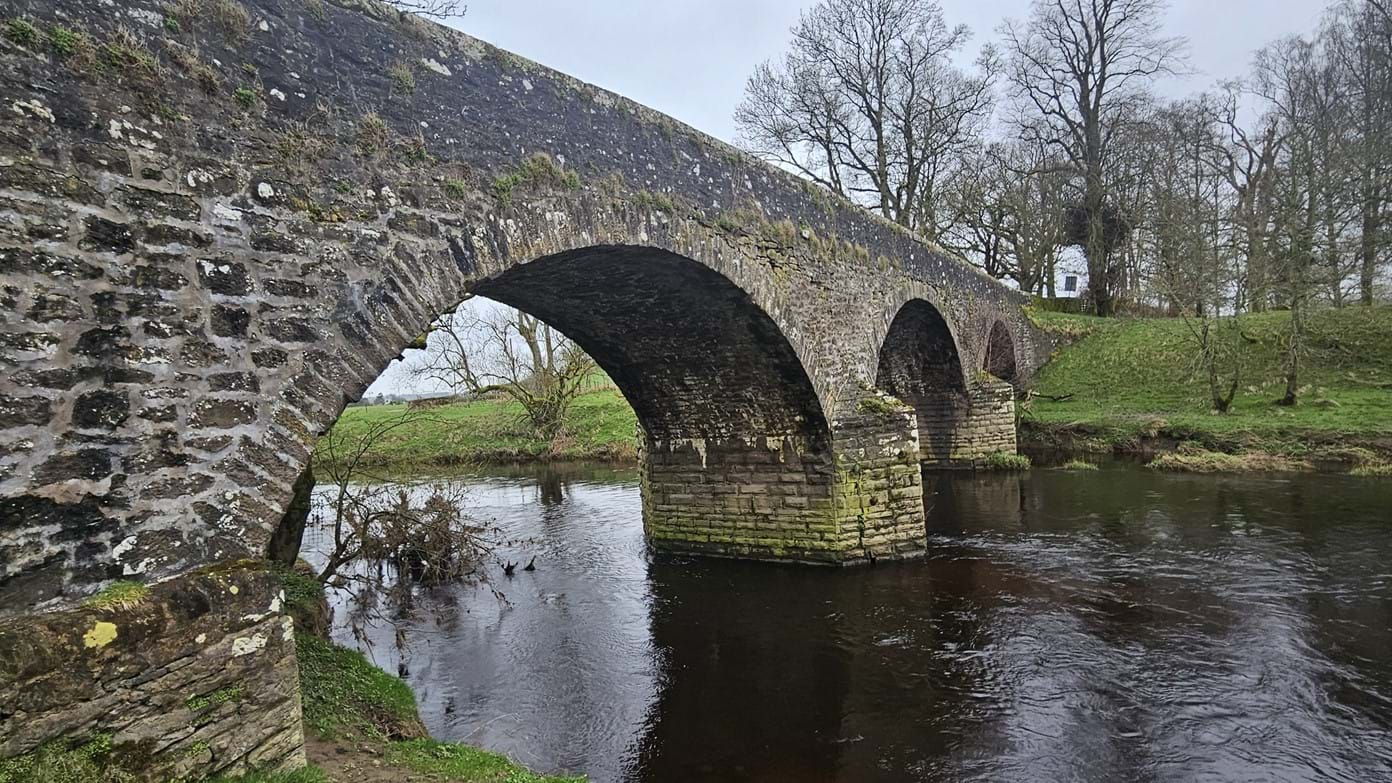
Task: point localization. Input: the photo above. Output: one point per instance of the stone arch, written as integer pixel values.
(692, 352)
(920, 363)
(695, 343)
(999, 359)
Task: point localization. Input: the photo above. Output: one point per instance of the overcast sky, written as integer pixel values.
(690, 58)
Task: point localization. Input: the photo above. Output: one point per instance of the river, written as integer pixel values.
(1120, 624)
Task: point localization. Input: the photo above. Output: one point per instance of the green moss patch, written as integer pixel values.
(119, 596)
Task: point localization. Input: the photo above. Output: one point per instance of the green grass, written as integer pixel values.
(1134, 377)
(346, 696)
(460, 762)
(600, 425)
(62, 762)
(1077, 464)
(119, 596)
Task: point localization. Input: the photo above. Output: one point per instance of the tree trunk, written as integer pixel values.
(1293, 354)
(1367, 250)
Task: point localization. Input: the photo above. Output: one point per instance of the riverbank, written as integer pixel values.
(600, 427)
(361, 723)
(1132, 387)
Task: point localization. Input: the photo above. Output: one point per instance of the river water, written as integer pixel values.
(1113, 625)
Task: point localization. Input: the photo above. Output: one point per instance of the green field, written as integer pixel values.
(1138, 379)
(1134, 384)
(599, 426)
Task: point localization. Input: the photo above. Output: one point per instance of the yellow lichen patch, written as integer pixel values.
(101, 634)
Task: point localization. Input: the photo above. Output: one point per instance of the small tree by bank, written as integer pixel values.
(377, 532)
(506, 351)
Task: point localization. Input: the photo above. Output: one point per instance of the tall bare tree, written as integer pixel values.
(1358, 37)
(1078, 66)
(508, 352)
(869, 103)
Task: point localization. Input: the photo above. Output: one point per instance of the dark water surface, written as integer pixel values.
(1119, 625)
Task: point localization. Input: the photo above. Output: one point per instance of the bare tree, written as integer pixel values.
(434, 9)
(1077, 66)
(508, 352)
(417, 528)
(868, 103)
(1358, 37)
(1297, 76)
(1004, 207)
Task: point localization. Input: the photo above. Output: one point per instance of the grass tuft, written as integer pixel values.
(373, 136)
(22, 32)
(403, 80)
(1078, 464)
(1001, 460)
(538, 172)
(119, 596)
(65, 762)
(1383, 470)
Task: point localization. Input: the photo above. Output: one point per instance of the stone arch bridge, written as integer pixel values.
(220, 220)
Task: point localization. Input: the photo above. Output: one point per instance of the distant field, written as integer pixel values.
(601, 425)
(1130, 376)
(1129, 379)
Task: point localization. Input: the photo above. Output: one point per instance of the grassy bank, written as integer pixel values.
(361, 723)
(1133, 385)
(600, 426)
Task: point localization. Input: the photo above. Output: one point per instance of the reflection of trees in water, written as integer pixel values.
(808, 674)
(551, 485)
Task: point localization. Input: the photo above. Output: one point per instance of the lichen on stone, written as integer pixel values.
(100, 635)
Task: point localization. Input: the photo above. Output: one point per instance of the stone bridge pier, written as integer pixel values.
(216, 233)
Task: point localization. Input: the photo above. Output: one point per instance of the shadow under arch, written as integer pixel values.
(736, 454)
(1000, 354)
(920, 364)
(691, 351)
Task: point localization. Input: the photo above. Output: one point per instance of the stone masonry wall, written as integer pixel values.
(213, 235)
(762, 498)
(959, 430)
(783, 499)
(198, 677)
(879, 482)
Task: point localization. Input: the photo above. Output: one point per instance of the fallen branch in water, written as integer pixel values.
(1051, 397)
